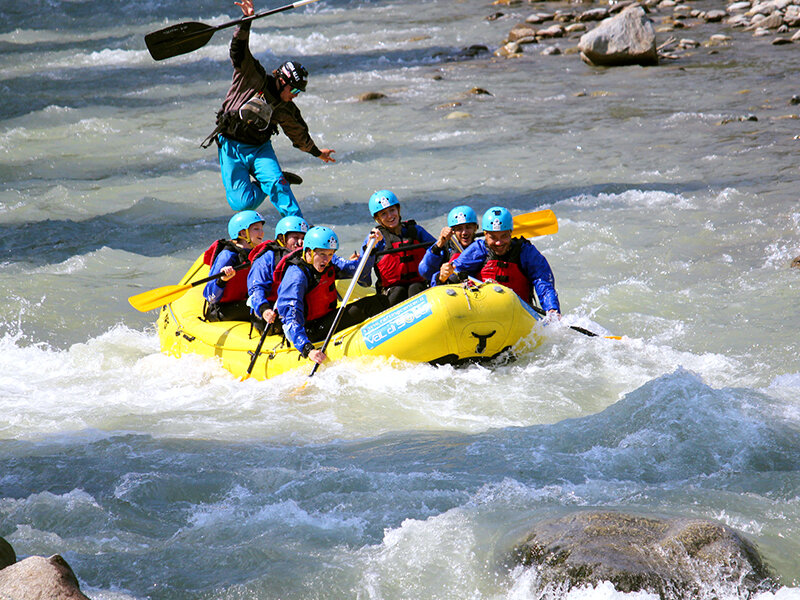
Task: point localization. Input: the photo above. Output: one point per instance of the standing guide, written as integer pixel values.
(256, 103)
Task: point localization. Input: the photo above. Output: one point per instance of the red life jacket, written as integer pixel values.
(235, 289)
(399, 268)
(321, 295)
(280, 251)
(267, 246)
(507, 269)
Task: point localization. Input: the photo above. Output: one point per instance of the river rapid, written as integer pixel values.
(169, 479)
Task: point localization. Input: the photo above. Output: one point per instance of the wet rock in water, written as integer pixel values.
(791, 16)
(508, 50)
(629, 38)
(674, 558)
(796, 262)
(537, 18)
(780, 41)
(551, 51)
(714, 16)
(457, 114)
(575, 28)
(474, 50)
(7, 554)
(618, 7)
(369, 96)
(521, 33)
(738, 7)
(719, 39)
(794, 100)
(494, 16)
(741, 118)
(739, 20)
(796, 36)
(773, 21)
(476, 91)
(554, 31)
(593, 14)
(38, 577)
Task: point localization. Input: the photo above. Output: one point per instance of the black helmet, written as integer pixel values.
(293, 74)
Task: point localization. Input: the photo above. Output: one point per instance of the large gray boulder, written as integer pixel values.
(674, 558)
(628, 38)
(7, 554)
(40, 578)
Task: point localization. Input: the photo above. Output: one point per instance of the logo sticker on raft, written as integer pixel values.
(397, 321)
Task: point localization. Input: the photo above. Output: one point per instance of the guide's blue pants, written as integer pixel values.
(238, 161)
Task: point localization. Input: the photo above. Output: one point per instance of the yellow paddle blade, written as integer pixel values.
(158, 297)
(541, 222)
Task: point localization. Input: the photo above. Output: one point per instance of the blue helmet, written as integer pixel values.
(497, 218)
(380, 200)
(242, 220)
(291, 224)
(321, 238)
(461, 215)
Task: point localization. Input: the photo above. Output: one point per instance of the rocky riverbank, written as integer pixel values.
(556, 28)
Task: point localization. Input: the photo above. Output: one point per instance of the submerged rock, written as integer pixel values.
(38, 577)
(628, 38)
(674, 558)
(370, 96)
(796, 262)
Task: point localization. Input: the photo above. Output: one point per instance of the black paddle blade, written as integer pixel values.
(178, 39)
(293, 178)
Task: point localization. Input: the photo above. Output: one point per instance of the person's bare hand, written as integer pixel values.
(227, 273)
(445, 272)
(247, 7)
(318, 356)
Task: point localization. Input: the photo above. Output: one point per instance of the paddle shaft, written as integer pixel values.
(264, 13)
(218, 275)
(256, 353)
(345, 300)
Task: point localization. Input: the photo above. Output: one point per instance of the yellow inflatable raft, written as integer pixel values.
(444, 324)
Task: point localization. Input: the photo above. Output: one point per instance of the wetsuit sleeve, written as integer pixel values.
(291, 307)
(216, 287)
(288, 116)
(347, 268)
(241, 57)
(430, 264)
(259, 282)
(469, 262)
(539, 273)
(248, 74)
